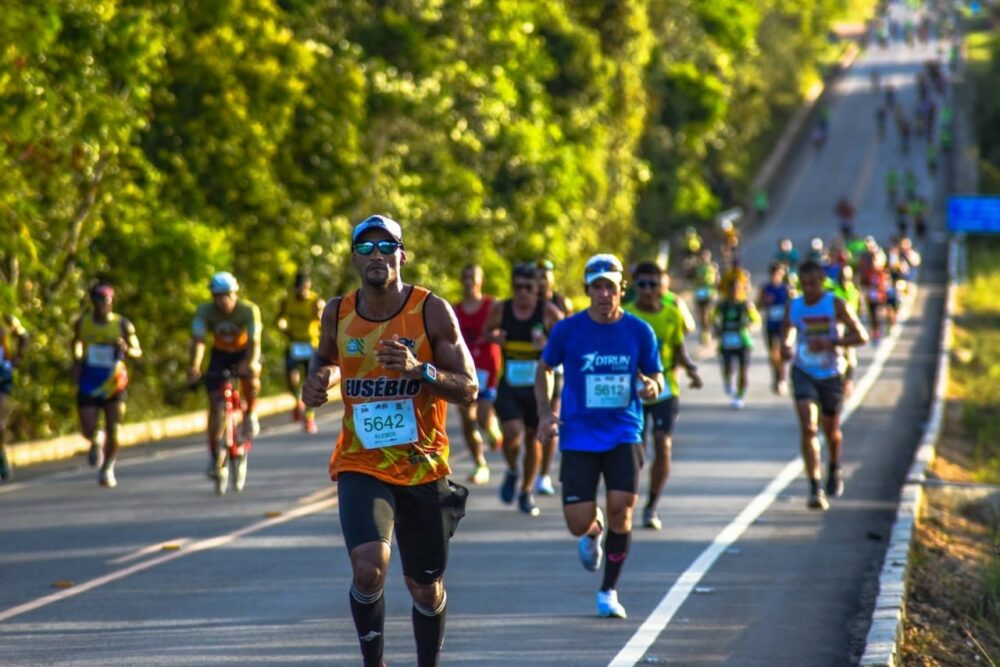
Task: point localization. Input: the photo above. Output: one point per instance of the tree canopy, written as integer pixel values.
(152, 143)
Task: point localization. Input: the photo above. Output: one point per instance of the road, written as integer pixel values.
(166, 573)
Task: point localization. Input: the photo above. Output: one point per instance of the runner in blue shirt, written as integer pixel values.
(612, 363)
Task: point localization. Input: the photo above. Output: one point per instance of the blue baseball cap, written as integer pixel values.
(378, 222)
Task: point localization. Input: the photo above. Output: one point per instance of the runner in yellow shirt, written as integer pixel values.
(669, 325)
(299, 321)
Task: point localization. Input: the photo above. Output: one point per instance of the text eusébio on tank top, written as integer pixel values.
(394, 427)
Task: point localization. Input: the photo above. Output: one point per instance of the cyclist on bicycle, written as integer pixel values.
(235, 326)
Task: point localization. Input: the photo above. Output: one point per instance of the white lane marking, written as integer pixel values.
(151, 549)
(193, 548)
(325, 492)
(657, 621)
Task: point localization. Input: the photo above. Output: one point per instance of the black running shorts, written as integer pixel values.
(740, 355)
(516, 403)
(828, 393)
(581, 472)
(662, 414)
(220, 361)
(424, 516)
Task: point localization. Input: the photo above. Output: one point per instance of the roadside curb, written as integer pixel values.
(885, 632)
(67, 446)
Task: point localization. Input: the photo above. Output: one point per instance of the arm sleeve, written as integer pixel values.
(555, 349)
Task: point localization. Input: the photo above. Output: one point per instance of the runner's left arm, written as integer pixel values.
(456, 380)
(855, 333)
(131, 348)
(650, 366)
(22, 340)
(255, 331)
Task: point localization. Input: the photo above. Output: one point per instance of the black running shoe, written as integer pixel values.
(526, 503)
(509, 487)
(835, 483)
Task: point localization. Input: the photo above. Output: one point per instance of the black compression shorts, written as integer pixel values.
(424, 516)
(581, 472)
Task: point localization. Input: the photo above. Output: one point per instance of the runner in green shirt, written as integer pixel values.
(668, 324)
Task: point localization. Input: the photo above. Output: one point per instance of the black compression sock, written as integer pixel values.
(368, 610)
(814, 485)
(428, 630)
(616, 550)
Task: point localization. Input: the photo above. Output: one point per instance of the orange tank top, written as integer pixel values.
(394, 428)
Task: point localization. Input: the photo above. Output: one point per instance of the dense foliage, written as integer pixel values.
(152, 142)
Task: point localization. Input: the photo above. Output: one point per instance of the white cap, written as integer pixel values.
(604, 266)
(378, 222)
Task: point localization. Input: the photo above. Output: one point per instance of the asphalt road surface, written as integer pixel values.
(166, 573)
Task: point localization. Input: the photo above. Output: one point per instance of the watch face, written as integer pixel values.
(430, 373)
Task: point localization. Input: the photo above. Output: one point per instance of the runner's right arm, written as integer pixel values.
(324, 368)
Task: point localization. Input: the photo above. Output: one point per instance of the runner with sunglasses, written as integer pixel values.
(520, 326)
(813, 324)
(667, 321)
(398, 354)
(546, 282)
(612, 365)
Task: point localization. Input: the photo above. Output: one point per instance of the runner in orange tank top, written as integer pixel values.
(398, 354)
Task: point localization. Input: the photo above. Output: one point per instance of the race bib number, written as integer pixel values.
(484, 377)
(101, 356)
(385, 423)
(702, 293)
(521, 373)
(776, 313)
(301, 351)
(731, 340)
(809, 358)
(608, 391)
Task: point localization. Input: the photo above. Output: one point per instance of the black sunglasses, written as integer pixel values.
(646, 284)
(384, 247)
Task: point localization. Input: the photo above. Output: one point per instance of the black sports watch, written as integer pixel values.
(429, 373)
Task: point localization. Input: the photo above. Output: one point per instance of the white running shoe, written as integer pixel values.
(481, 475)
(543, 486)
(107, 476)
(738, 403)
(608, 605)
(251, 426)
(240, 472)
(591, 551)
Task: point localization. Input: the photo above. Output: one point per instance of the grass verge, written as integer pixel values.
(953, 601)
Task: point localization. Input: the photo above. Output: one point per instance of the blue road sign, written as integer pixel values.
(974, 215)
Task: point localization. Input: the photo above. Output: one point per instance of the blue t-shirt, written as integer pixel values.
(600, 406)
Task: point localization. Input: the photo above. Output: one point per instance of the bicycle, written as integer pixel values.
(234, 446)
